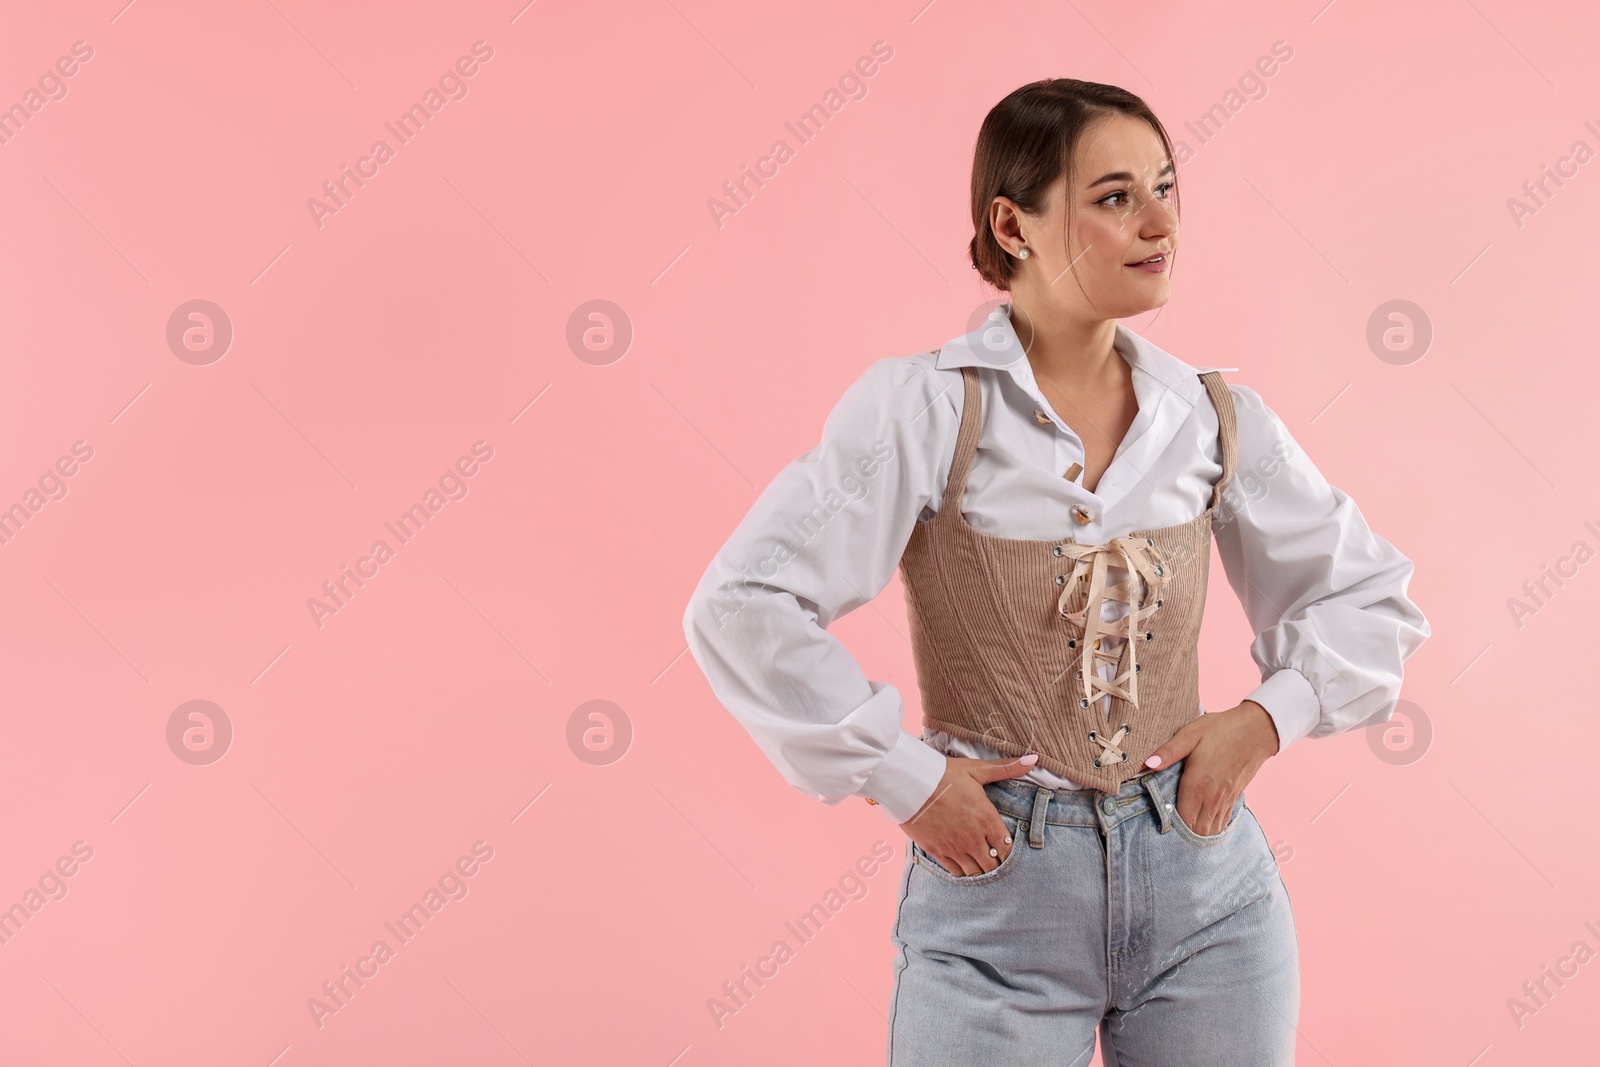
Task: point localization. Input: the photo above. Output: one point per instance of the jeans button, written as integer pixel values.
(1109, 806)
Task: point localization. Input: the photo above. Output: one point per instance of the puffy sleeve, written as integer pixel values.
(822, 539)
(1325, 596)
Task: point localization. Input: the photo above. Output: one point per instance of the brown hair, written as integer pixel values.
(1026, 143)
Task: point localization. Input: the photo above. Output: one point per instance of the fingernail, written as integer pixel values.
(1153, 761)
(1030, 759)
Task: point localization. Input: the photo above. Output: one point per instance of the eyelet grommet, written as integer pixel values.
(1149, 635)
(1083, 702)
(1097, 763)
(1160, 571)
(1159, 601)
(1058, 550)
(1061, 579)
(1072, 642)
(1150, 541)
(1080, 671)
(1137, 667)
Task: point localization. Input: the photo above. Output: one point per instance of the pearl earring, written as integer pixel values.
(1024, 252)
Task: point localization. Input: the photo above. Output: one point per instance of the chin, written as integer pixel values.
(1143, 302)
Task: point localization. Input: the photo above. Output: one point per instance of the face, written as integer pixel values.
(1122, 213)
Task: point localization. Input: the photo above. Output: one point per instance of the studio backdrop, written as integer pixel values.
(381, 379)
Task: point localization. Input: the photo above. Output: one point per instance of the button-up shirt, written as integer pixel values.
(1324, 595)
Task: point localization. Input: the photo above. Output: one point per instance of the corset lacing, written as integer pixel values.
(1147, 573)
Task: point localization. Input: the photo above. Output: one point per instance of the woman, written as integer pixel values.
(1049, 485)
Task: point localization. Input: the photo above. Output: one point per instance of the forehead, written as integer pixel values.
(1119, 143)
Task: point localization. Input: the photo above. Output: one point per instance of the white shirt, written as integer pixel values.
(1324, 595)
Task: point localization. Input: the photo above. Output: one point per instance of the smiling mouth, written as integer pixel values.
(1159, 257)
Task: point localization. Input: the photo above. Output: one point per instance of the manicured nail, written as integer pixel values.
(1030, 759)
(1153, 761)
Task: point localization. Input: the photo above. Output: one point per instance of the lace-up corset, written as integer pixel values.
(1007, 633)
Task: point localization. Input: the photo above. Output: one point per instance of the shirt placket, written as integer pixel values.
(1069, 457)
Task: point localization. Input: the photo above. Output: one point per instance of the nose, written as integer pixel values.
(1157, 218)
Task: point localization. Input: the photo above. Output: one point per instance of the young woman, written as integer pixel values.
(1081, 857)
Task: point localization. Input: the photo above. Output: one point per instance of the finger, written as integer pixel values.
(1178, 746)
(1191, 805)
(976, 861)
(1200, 822)
(995, 769)
(968, 865)
(1221, 813)
(998, 848)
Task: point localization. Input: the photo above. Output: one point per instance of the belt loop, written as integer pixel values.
(1163, 808)
(1041, 803)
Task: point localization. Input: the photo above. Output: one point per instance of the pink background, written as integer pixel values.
(432, 711)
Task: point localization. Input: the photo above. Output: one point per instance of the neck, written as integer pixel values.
(1063, 349)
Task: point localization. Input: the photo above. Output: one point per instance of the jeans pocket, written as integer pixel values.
(1205, 840)
(1018, 845)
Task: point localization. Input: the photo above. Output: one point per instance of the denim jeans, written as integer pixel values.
(1109, 914)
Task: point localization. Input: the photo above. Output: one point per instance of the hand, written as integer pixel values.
(959, 824)
(1221, 751)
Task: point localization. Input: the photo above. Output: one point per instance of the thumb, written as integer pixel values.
(1177, 747)
(992, 770)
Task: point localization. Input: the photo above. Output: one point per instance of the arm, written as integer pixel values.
(1325, 595)
(821, 540)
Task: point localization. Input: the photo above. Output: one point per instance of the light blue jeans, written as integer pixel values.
(1108, 914)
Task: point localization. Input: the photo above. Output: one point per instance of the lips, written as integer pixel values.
(1159, 263)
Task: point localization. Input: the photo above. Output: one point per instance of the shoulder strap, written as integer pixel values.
(966, 445)
(1227, 430)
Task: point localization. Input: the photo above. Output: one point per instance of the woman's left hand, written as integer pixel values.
(1221, 750)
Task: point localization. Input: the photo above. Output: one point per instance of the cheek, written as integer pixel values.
(1107, 236)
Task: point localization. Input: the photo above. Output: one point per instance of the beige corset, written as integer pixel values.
(1006, 632)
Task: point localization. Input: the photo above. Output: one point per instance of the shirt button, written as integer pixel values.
(1081, 513)
(1108, 806)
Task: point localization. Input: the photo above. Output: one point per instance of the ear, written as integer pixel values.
(1005, 219)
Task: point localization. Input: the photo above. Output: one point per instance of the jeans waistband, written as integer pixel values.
(1037, 806)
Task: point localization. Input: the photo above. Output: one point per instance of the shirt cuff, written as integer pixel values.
(1292, 703)
(906, 778)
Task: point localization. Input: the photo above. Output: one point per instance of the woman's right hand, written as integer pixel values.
(959, 824)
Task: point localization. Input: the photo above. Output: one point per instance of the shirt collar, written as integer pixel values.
(995, 344)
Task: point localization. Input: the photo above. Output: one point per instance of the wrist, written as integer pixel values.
(1266, 727)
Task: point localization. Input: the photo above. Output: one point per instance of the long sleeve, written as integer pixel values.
(1325, 596)
(822, 539)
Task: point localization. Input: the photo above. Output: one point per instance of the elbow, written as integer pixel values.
(706, 615)
(695, 616)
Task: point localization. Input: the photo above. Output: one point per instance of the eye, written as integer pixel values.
(1165, 188)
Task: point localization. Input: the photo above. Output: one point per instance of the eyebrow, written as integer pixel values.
(1124, 176)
